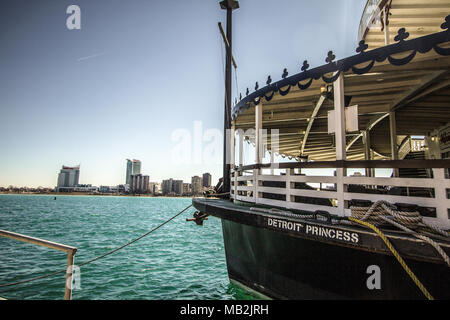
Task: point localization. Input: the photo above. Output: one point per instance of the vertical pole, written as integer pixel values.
(339, 126)
(289, 186)
(241, 148)
(367, 151)
(440, 195)
(227, 112)
(69, 273)
(393, 136)
(272, 171)
(339, 114)
(232, 145)
(258, 133)
(386, 26)
(232, 157)
(258, 147)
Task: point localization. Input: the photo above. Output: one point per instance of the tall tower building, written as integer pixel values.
(206, 180)
(68, 177)
(177, 187)
(136, 167)
(196, 183)
(166, 186)
(133, 168)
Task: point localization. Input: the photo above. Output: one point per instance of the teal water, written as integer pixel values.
(178, 261)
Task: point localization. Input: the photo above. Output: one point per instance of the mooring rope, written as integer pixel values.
(215, 194)
(282, 212)
(383, 211)
(396, 255)
(98, 257)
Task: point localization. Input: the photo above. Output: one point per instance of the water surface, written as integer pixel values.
(178, 261)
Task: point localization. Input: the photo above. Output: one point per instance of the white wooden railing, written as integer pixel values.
(249, 184)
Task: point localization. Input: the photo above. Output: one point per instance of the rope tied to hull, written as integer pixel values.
(384, 213)
(397, 256)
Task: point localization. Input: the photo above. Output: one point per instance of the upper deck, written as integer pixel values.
(419, 17)
(355, 113)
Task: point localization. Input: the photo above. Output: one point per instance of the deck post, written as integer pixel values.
(339, 127)
(258, 133)
(232, 144)
(69, 274)
(367, 151)
(232, 157)
(258, 147)
(272, 171)
(289, 172)
(241, 147)
(393, 136)
(440, 194)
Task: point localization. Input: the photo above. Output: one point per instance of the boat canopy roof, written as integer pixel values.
(409, 77)
(420, 17)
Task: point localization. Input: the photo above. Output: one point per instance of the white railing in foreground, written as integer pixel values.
(250, 185)
(52, 245)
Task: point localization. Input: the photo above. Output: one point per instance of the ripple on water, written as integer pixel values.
(178, 261)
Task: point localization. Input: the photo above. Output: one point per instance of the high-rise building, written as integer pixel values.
(139, 183)
(186, 188)
(153, 187)
(133, 168)
(206, 180)
(171, 186)
(166, 186)
(196, 183)
(177, 187)
(68, 178)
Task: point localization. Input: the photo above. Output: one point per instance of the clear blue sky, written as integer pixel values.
(137, 71)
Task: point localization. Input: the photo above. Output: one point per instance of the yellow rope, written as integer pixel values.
(396, 255)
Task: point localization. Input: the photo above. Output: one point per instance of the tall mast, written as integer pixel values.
(228, 5)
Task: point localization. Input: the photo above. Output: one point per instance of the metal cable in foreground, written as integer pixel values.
(98, 257)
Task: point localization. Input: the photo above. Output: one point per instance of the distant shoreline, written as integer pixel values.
(93, 194)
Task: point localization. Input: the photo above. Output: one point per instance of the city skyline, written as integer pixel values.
(80, 179)
(128, 79)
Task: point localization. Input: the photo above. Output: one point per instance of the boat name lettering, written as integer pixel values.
(319, 231)
(282, 224)
(332, 233)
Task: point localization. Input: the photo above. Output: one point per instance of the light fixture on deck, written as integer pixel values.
(326, 90)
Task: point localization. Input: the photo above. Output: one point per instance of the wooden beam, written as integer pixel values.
(431, 89)
(311, 121)
(386, 164)
(411, 93)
